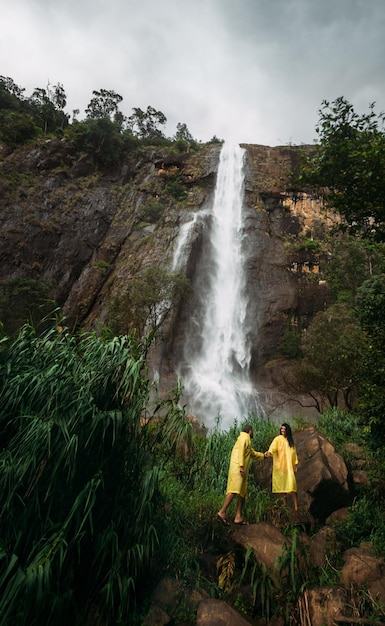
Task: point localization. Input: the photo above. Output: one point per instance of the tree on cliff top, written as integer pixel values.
(348, 167)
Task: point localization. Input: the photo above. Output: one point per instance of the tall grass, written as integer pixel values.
(78, 481)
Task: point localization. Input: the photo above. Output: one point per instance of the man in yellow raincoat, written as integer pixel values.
(238, 474)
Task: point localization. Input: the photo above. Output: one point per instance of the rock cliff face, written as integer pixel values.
(89, 232)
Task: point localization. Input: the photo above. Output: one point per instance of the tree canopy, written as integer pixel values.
(348, 167)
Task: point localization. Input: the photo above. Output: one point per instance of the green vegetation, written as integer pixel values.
(105, 488)
(146, 302)
(24, 300)
(342, 351)
(348, 168)
(106, 133)
(81, 509)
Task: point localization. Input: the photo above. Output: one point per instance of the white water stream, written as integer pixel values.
(215, 374)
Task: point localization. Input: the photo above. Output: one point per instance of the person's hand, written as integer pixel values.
(242, 470)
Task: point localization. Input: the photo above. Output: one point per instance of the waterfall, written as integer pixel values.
(215, 372)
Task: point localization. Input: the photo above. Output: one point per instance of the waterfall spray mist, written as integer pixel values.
(215, 374)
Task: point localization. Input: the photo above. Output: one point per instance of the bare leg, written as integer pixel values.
(238, 515)
(222, 512)
(283, 499)
(295, 500)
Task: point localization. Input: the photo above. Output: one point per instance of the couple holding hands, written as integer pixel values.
(285, 462)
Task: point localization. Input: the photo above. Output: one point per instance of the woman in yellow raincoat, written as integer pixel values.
(285, 462)
(239, 473)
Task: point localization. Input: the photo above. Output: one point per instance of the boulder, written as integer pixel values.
(361, 567)
(322, 544)
(340, 515)
(320, 607)
(172, 598)
(377, 590)
(213, 612)
(266, 541)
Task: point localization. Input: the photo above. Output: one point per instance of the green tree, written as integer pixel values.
(351, 260)
(104, 104)
(147, 302)
(11, 95)
(48, 105)
(348, 167)
(370, 303)
(99, 137)
(334, 348)
(17, 128)
(184, 139)
(146, 124)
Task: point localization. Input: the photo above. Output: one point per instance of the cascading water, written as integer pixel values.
(215, 372)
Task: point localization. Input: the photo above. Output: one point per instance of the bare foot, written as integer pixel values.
(222, 518)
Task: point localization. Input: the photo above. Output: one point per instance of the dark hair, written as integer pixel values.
(247, 428)
(289, 435)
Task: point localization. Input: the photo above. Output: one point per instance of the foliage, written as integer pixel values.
(177, 190)
(334, 348)
(11, 95)
(366, 522)
(20, 117)
(340, 426)
(48, 105)
(348, 168)
(370, 309)
(184, 139)
(79, 522)
(352, 261)
(17, 128)
(23, 300)
(147, 124)
(99, 137)
(147, 301)
(104, 104)
(291, 341)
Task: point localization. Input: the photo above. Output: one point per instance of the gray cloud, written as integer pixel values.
(253, 70)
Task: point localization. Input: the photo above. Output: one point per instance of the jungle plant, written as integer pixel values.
(79, 524)
(263, 588)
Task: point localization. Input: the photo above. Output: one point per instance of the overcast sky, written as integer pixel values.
(253, 71)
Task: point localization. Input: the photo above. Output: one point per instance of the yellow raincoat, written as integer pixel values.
(284, 461)
(240, 456)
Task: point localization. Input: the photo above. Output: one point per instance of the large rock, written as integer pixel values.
(320, 607)
(361, 567)
(266, 541)
(213, 612)
(322, 545)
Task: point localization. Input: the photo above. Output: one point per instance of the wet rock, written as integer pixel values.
(213, 612)
(360, 567)
(266, 541)
(320, 607)
(321, 546)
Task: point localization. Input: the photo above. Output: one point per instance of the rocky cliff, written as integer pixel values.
(88, 232)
